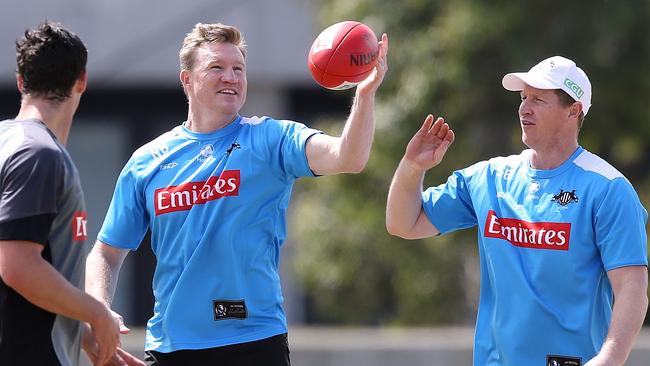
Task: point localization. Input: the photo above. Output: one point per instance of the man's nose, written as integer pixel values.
(229, 76)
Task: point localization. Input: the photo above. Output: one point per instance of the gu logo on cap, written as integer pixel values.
(575, 88)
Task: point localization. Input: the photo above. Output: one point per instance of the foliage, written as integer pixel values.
(447, 58)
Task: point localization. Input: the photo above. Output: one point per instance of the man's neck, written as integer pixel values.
(208, 121)
(552, 157)
(57, 116)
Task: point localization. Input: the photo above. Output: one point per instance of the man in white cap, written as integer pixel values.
(561, 232)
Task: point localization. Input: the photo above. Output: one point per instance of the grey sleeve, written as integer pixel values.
(30, 179)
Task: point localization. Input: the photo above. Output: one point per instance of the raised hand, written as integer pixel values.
(372, 82)
(429, 145)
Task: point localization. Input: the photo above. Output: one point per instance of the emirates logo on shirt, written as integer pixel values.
(79, 224)
(520, 233)
(184, 196)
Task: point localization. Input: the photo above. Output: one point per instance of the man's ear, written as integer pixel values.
(20, 83)
(575, 109)
(185, 77)
(81, 83)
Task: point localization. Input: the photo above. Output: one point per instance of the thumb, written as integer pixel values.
(123, 328)
(120, 322)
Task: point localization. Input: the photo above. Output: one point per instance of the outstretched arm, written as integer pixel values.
(404, 214)
(630, 286)
(349, 152)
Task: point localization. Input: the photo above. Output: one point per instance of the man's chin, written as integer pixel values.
(527, 141)
(228, 109)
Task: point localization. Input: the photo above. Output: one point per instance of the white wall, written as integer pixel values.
(134, 42)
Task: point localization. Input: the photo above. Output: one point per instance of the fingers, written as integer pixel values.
(436, 131)
(119, 320)
(427, 125)
(107, 336)
(443, 130)
(383, 46)
(440, 129)
(116, 360)
(382, 62)
(106, 351)
(88, 343)
(372, 82)
(451, 136)
(102, 355)
(129, 359)
(436, 128)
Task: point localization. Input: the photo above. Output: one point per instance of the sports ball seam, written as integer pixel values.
(336, 50)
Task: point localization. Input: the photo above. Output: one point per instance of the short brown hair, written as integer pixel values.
(209, 33)
(50, 59)
(566, 100)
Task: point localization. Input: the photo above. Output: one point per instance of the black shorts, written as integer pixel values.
(272, 351)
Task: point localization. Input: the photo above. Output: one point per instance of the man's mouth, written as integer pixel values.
(227, 91)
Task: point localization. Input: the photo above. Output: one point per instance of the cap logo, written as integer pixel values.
(577, 90)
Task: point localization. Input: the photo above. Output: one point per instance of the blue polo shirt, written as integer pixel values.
(216, 205)
(546, 240)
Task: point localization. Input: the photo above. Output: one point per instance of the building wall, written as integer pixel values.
(136, 43)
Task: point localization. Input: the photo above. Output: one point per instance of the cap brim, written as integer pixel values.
(516, 81)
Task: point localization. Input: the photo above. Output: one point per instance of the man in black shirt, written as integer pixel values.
(42, 216)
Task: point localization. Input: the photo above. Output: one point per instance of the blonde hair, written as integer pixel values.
(209, 33)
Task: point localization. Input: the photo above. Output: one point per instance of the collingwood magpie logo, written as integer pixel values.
(221, 311)
(565, 197)
(206, 151)
(233, 147)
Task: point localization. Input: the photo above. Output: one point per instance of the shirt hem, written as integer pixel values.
(177, 346)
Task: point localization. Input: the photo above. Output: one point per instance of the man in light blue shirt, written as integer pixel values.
(214, 191)
(561, 232)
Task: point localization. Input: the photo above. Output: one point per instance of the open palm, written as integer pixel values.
(429, 145)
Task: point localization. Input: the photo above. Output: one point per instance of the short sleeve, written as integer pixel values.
(32, 178)
(449, 205)
(289, 138)
(127, 220)
(620, 227)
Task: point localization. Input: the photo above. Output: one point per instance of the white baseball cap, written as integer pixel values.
(555, 72)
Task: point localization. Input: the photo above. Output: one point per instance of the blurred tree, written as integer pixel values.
(447, 58)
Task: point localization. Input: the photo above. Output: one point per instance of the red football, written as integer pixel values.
(343, 55)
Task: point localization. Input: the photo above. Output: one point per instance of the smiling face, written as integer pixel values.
(216, 83)
(545, 120)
